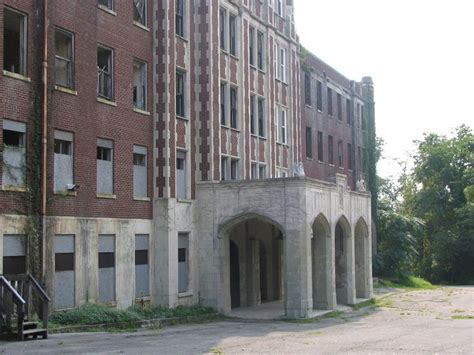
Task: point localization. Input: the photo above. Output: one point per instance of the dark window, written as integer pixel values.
(362, 117)
(180, 18)
(139, 11)
(181, 255)
(348, 111)
(320, 146)
(222, 27)
(104, 73)
(224, 104)
(359, 157)
(339, 107)
(234, 169)
(261, 118)
(329, 93)
(13, 265)
(64, 261)
(106, 260)
(139, 159)
(180, 84)
(233, 35)
(14, 41)
(141, 257)
(13, 138)
(307, 88)
(349, 156)
(107, 3)
(309, 143)
(330, 150)
(319, 96)
(252, 45)
(233, 107)
(252, 114)
(62, 147)
(340, 154)
(64, 61)
(260, 63)
(224, 168)
(139, 85)
(104, 153)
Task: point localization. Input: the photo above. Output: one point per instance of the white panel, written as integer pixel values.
(142, 242)
(63, 171)
(106, 244)
(14, 245)
(14, 126)
(64, 244)
(65, 136)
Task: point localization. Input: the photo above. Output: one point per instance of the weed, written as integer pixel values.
(462, 317)
(216, 350)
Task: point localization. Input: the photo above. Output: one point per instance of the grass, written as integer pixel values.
(384, 302)
(410, 282)
(93, 314)
(462, 317)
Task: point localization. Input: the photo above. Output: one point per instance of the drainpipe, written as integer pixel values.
(45, 129)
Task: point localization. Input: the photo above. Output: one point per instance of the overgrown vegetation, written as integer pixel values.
(92, 314)
(410, 282)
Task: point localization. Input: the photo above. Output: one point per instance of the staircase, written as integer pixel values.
(22, 302)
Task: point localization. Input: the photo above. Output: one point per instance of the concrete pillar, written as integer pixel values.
(253, 272)
(350, 262)
(363, 261)
(324, 287)
(164, 251)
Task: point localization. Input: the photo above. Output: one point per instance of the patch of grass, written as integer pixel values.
(364, 304)
(410, 282)
(458, 311)
(216, 350)
(384, 302)
(462, 317)
(164, 312)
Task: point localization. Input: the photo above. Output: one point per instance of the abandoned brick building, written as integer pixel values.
(194, 152)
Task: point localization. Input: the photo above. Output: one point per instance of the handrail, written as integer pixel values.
(17, 298)
(38, 287)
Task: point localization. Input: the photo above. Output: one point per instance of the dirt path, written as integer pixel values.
(431, 321)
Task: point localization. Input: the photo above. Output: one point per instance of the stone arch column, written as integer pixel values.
(344, 262)
(362, 253)
(322, 260)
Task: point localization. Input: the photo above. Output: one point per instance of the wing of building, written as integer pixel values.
(195, 152)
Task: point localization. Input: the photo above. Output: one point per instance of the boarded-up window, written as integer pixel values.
(14, 254)
(181, 176)
(106, 268)
(140, 171)
(14, 41)
(142, 269)
(63, 160)
(64, 276)
(105, 171)
(183, 262)
(13, 170)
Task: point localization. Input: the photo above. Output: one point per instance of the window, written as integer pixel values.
(107, 3)
(309, 143)
(63, 161)
(64, 61)
(106, 268)
(319, 96)
(279, 7)
(253, 100)
(359, 158)
(183, 262)
(349, 156)
(181, 175)
(105, 73)
(64, 275)
(142, 269)
(140, 180)
(14, 254)
(254, 171)
(223, 97)
(139, 85)
(362, 115)
(348, 111)
(224, 165)
(14, 154)
(234, 169)
(262, 171)
(340, 156)
(105, 170)
(330, 150)
(14, 41)
(180, 18)
(222, 28)
(252, 46)
(282, 62)
(233, 107)
(261, 117)
(283, 127)
(233, 35)
(139, 11)
(307, 88)
(329, 92)
(260, 62)
(320, 147)
(339, 107)
(180, 97)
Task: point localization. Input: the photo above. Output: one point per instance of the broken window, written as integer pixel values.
(105, 72)
(64, 61)
(14, 41)
(309, 143)
(142, 269)
(106, 268)
(232, 35)
(223, 97)
(63, 160)
(139, 11)
(14, 254)
(107, 3)
(181, 176)
(233, 107)
(105, 173)
(140, 185)
(183, 262)
(14, 154)
(320, 147)
(180, 18)
(139, 84)
(64, 275)
(330, 150)
(180, 97)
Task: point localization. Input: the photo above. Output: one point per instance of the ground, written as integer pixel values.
(423, 321)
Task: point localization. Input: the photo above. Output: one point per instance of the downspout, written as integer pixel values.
(45, 129)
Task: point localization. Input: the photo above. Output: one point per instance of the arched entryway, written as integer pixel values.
(362, 260)
(255, 264)
(321, 264)
(343, 261)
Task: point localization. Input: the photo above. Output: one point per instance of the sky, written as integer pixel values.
(420, 54)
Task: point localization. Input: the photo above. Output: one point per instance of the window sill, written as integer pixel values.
(143, 199)
(258, 136)
(16, 76)
(224, 51)
(262, 70)
(106, 196)
(283, 144)
(139, 25)
(234, 129)
(65, 90)
(142, 299)
(234, 56)
(182, 118)
(65, 193)
(185, 294)
(106, 9)
(13, 189)
(140, 111)
(184, 200)
(106, 102)
(332, 165)
(309, 159)
(320, 161)
(320, 111)
(182, 38)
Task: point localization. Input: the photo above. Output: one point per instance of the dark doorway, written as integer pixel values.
(234, 275)
(263, 274)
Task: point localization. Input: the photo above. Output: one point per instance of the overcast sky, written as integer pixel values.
(420, 54)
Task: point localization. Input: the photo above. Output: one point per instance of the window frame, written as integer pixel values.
(233, 41)
(180, 95)
(233, 106)
(23, 42)
(309, 143)
(180, 28)
(71, 61)
(320, 147)
(110, 74)
(145, 13)
(144, 77)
